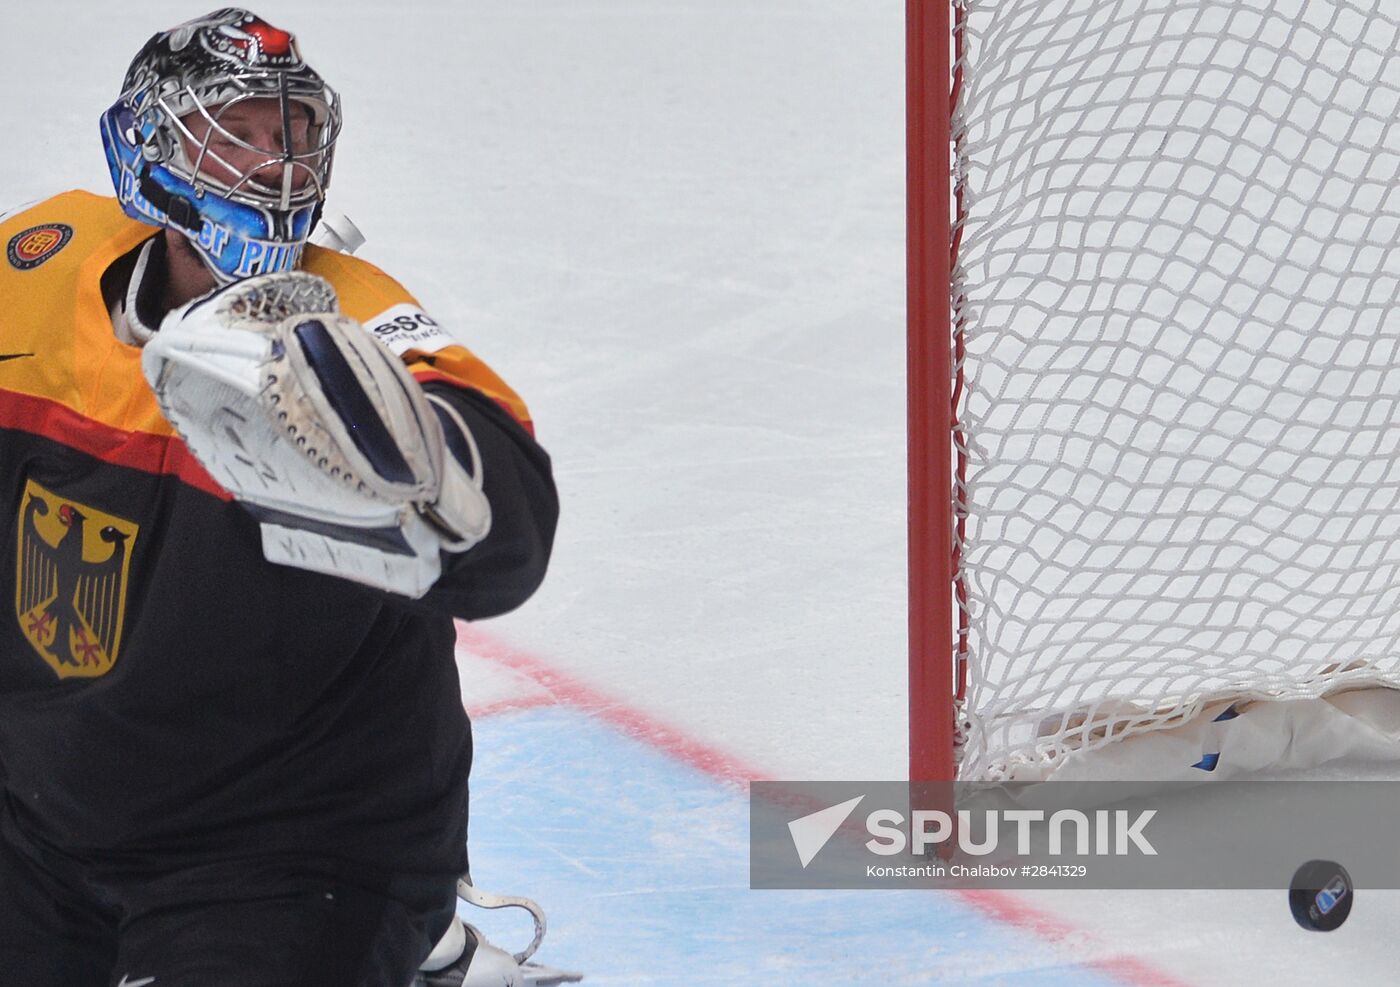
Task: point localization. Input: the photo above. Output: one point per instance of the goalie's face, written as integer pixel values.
(250, 149)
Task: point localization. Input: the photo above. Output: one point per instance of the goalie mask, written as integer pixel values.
(224, 133)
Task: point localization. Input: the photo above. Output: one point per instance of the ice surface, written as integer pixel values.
(676, 226)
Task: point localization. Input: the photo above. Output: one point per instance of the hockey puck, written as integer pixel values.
(1320, 895)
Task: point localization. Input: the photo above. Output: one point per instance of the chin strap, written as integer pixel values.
(179, 211)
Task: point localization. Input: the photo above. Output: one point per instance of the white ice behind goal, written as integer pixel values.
(1178, 411)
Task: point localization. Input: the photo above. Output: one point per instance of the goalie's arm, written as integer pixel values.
(501, 571)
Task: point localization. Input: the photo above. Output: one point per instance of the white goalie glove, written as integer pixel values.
(320, 431)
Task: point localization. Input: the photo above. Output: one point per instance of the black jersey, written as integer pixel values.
(167, 694)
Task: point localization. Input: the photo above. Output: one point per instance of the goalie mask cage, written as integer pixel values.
(1154, 367)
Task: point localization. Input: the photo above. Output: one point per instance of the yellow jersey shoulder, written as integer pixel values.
(51, 302)
(57, 243)
(53, 314)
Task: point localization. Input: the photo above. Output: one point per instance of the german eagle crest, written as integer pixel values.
(70, 595)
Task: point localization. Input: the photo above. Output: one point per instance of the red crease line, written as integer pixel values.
(633, 722)
(510, 706)
(564, 689)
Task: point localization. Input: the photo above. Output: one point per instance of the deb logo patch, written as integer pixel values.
(29, 249)
(70, 587)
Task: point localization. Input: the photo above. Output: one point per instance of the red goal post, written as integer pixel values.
(930, 391)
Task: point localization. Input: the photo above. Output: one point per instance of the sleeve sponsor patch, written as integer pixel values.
(30, 248)
(407, 327)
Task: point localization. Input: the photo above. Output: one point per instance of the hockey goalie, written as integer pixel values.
(252, 484)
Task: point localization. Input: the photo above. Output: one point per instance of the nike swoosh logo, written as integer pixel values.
(20, 356)
(136, 983)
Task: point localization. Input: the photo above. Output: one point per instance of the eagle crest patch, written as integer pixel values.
(70, 588)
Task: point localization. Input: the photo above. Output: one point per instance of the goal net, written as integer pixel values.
(1176, 334)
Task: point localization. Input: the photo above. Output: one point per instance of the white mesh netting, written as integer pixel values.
(1181, 266)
